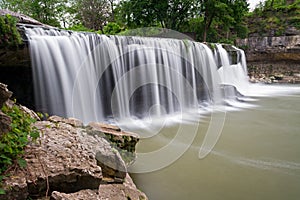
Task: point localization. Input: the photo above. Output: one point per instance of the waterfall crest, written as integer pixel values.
(97, 78)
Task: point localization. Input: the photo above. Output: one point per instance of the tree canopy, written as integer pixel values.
(210, 20)
(169, 14)
(275, 18)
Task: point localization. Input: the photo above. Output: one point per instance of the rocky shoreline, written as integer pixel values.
(71, 161)
(276, 78)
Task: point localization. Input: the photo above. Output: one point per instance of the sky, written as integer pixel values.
(253, 3)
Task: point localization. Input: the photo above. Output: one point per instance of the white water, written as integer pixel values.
(97, 78)
(234, 74)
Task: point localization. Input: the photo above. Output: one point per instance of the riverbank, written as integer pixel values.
(73, 161)
(271, 73)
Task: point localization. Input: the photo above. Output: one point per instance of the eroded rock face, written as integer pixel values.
(71, 161)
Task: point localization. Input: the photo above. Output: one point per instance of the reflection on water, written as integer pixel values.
(257, 156)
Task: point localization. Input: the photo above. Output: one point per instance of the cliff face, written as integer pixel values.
(15, 62)
(272, 59)
(272, 49)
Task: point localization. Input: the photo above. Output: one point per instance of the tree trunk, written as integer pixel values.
(204, 34)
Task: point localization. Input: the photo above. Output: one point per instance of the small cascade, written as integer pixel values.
(98, 78)
(233, 71)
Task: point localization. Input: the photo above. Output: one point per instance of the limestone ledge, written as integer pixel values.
(72, 161)
(271, 49)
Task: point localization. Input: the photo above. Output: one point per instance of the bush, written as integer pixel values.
(80, 27)
(112, 28)
(12, 144)
(9, 35)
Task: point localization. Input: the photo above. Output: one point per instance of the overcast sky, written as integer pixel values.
(253, 3)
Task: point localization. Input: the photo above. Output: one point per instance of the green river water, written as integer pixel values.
(256, 157)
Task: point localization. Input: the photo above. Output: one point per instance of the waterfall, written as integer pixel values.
(98, 78)
(233, 70)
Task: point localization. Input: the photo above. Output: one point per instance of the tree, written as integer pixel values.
(275, 18)
(112, 9)
(228, 13)
(94, 14)
(240, 8)
(171, 14)
(45, 11)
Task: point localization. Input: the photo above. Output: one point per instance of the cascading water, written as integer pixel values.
(96, 77)
(232, 73)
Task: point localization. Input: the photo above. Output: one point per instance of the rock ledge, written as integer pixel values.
(70, 161)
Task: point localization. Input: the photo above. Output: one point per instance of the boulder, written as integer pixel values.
(67, 163)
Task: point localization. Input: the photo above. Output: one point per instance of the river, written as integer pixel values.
(256, 157)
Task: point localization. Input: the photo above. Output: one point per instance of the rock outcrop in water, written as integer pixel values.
(73, 161)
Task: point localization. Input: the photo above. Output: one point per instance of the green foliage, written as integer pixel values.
(12, 144)
(274, 17)
(112, 28)
(153, 13)
(53, 12)
(80, 27)
(224, 16)
(143, 32)
(219, 20)
(9, 35)
(295, 21)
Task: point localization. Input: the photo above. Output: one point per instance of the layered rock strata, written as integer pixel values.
(272, 59)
